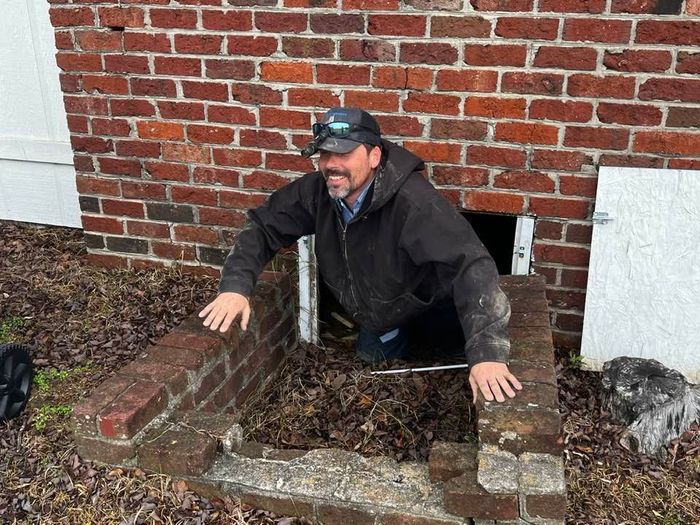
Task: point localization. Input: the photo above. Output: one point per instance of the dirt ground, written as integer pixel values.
(83, 323)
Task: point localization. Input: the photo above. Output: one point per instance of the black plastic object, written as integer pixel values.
(16, 372)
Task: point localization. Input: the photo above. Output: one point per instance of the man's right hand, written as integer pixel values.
(225, 309)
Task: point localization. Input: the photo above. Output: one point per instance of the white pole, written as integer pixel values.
(424, 369)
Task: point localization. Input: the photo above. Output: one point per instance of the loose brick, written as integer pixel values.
(685, 89)
(638, 161)
(205, 90)
(171, 452)
(186, 153)
(281, 118)
(126, 64)
(85, 412)
(160, 130)
(94, 449)
(450, 460)
(460, 26)
(581, 58)
(91, 144)
(596, 137)
(495, 54)
(153, 87)
(578, 185)
(148, 229)
(99, 40)
(530, 28)
(181, 110)
(667, 142)
(193, 195)
(526, 133)
(78, 61)
(533, 83)
(132, 107)
(260, 138)
(252, 45)
(559, 159)
(132, 410)
(393, 77)
(517, 431)
(288, 162)
(209, 134)
(582, 85)
(173, 377)
(597, 30)
(629, 114)
(557, 207)
(252, 94)
(122, 207)
(143, 190)
(96, 186)
(86, 105)
(400, 126)
(637, 60)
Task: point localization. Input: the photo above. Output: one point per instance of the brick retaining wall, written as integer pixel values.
(172, 410)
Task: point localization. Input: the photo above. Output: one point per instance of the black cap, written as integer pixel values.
(370, 134)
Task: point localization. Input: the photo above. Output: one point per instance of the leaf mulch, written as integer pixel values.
(326, 398)
(88, 322)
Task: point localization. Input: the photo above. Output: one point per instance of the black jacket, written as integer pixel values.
(405, 250)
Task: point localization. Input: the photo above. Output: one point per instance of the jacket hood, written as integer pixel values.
(397, 164)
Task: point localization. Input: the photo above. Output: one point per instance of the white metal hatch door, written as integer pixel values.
(643, 294)
(37, 179)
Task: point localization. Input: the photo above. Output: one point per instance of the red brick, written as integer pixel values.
(597, 30)
(548, 230)
(337, 24)
(400, 125)
(431, 103)
(559, 159)
(293, 46)
(153, 87)
(255, 94)
(633, 6)
(229, 114)
(524, 180)
(227, 20)
(367, 50)
(546, 505)
(281, 118)
(199, 44)
(458, 129)
(64, 40)
(181, 110)
(534, 83)
(264, 180)
(174, 18)
(692, 7)
(338, 514)
(167, 171)
(684, 164)
(498, 202)
(494, 156)
(126, 64)
(198, 234)
(288, 162)
(670, 32)
(148, 229)
(160, 130)
(86, 105)
(366, 5)
(102, 224)
(209, 134)
(220, 217)
(107, 261)
(83, 163)
(259, 138)
(297, 72)
(122, 207)
(85, 412)
(582, 85)
(427, 53)
(460, 26)
(281, 22)
(526, 133)
(186, 153)
(683, 89)
(596, 137)
(435, 151)
(191, 67)
(90, 144)
(78, 61)
(579, 233)
(635, 60)
(638, 161)
(115, 166)
(157, 42)
(71, 16)
(241, 200)
(70, 83)
(667, 142)
(459, 176)
(566, 111)
(469, 81)
(194, 195)
(578, 185)
(393, 77)
(555, 253)
(120, 17)
(683, 117)
(96, 186)
(495, 107)
(396, 25)
(173, 377)
(138, 148)
(559, 207)
(537, 430)
(238, 157)
(342, 74)
(143, 190)
(464, 497)
(572, 6)
(495, 54)
(99, 40)
(175, 252)
(502, 5)
(531, 28)
(252, 45)
(132, 410)
(582, 58)
(688, 62)
(629, 114)
(77, 123)
(217, 91)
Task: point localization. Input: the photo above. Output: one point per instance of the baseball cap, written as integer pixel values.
(362, 129)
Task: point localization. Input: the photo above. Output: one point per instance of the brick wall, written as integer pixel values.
(185, 114)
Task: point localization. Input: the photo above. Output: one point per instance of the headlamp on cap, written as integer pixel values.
(339, 130)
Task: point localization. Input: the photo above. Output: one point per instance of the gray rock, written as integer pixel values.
(655, 402)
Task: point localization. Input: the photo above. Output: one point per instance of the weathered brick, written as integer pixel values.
(431, 103)
(517, 431)
(178, 452)
(563, 110)
(396, 25)
(671, 32)
(449, 460)
(495, 54)
(433, 53)
(460, 26)
(94, 449)
(667, 142)
(596, 137)
(85, 412)
(583, 58)
(688, 62)
(572, 6)
(329, 514)
(534, 83)
(464, 497)
(280, 504)
(527, 27)
(637, 60)
(683, 89)
(227, 20)
(472, 80)
(367, 50)
(524, 180)
(497, 202)
(308, 47)
(496, 156)
(597, 30)
(132, 410)
(683, 117)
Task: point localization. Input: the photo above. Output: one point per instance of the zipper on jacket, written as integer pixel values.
(347, 266)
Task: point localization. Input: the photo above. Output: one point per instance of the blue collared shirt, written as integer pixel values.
(349, 213)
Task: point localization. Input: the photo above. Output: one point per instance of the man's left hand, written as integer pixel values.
(492, 378)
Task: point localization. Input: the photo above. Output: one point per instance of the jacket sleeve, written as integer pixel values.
(285, 216)
(437, 234)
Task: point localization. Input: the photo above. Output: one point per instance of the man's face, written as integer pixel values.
(347, 173)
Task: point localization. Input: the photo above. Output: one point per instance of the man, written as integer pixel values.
(391, 249)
